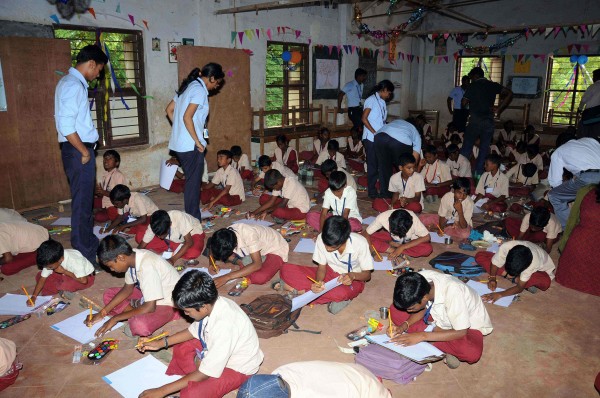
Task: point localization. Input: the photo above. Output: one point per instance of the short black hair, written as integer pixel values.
(565, 137)
(222, 244)
(195, 289)
(112, 246)
(455, 137)
(336, 231)
(328, 165)
(529, 169)
(494, 158)
(521, 146)
(119, 193)
(337, 180)
(400, 222)
(476, 72)
(462, 183)
(280, 139)
(333, 145)
(452, 148)
(429, 149)
(264, 160)
(540, 216)
(410, 289)
(271, 178)
(359, 72)
(160, 222)
(225, 152)
(533, 149)
(236, 150)
(91, 53)
(49, 252)
(406, 159)
(518, 259)
(112, 153)
(465, 77)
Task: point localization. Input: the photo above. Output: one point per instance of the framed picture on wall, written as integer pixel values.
(187, 42)
(173, 51)
(525, 86)
(326, 73)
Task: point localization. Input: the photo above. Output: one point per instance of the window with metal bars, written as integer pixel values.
(493, 67)
(118, 111)
(286, 84)
(565, 84)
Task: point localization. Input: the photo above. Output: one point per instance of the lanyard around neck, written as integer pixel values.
(343, 207)
(382, 109)
(349, 263)
(434, 171)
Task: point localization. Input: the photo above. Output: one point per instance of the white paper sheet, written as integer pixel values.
(306, 298)
(62, 222)
(74, 327)
(481, 202)
(222, 271)
(100, 236)
(205, 214)
(385, 265)
(481, 289)
(167, 173)
(368, 220)
(305, 245)
(252, 221)
(494, 247)
(16, 304)
(417, 352)
(141, 375)
(168, 254)
(435, 238)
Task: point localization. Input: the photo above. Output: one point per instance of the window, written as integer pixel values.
(565, 84)
(117, 125)
(286, 84)
(493, 67)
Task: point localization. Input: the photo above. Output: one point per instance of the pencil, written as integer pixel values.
(90, 317)
(438, 226)
(391, 324)
(160, 336)
(212, 260)
(318, 283)
(27, 294)
(376, 252)
(90, 301)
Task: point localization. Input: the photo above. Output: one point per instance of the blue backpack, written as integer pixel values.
(457, 264)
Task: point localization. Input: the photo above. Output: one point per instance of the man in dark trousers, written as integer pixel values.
(454, 102)
(353, 90)
(480, 96)
(77, 138)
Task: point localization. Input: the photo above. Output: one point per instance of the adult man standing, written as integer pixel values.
(77, 137)
(480, 96)
(353, 90)
(454, 101)
(590, 105)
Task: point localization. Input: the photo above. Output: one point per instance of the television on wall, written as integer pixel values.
(525, 86)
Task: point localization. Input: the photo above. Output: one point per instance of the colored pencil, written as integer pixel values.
(438, 226)
(376, 252)
(90, 317)
(27, 294)
(212, 260)
(160, 336)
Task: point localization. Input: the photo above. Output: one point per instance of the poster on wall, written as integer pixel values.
(440, 46)
(525, 86)
(326, 73)
(3, 104)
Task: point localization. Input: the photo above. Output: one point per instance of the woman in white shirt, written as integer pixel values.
(188, 111)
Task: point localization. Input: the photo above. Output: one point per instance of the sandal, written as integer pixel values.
(280, 287)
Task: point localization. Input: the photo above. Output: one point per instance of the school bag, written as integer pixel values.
(457, 264)
(388, 364)
(271, 315)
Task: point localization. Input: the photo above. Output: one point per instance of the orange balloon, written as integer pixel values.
(296, 57)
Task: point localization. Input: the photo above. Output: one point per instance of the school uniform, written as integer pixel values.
(318, 147)
(520, 158)
(139, 205)
(355, 258)
(461, 168)
(515, 175)
(358, 150)
(108, 181)
(338, 158)
(227, 346)
(377, 117)
(534, 140)
(354, 94)
(268, 242)
(381, 236)
(456, 306)
(244, 163)
(459, 145)
(515, 226)
(73, 262)
(338, 206)
(11, 216)
(178, 184)
(226, 176)
(22, 240)
(447, 211)
(540, 272)
(537, 160)
(475, 152)
(155, 279)
(407, 189)
(507, 136)
(493, 187)
(436, 173)
(280, 167)
(289, 158)
(181, 225)
(9, 366)
(298, 200)
(323, 184)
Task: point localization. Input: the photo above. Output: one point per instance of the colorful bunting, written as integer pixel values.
(132, 19)
(118, 8)
(54, 17)
(91, 11)
(145, 24)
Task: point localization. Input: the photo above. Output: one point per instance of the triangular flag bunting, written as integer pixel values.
(430, 36)
(249, 34)
(279, 30)
(430, 58)
(446, 35)
(520, 58)
(543, 57)
(578, 47)
(118, 8)
(241, 36)
(527, 56)
(233, 35)
(570, 48)
(92, 11)
(54, 17)
(446, 58)
(586, 47)
(269, 33)
(329, 48)
(456, 56)
(434, 36)
(548, 31)
(595, 29)
(145, 23)
(583, 28)
(131, 18)
(557, 31)
(298, 34)
(257, 31)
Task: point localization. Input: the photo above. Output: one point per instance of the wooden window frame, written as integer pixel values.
(460, 73)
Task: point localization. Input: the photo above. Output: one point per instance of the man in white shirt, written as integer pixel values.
(77, 137)
(590, 105)
(354, 93)
(458, 112)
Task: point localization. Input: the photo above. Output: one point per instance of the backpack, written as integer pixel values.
(457, 264)
(271, 315)
(388, 364)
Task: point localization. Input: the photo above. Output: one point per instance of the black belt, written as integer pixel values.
(90, 145)
(354, 107)
(590, 171)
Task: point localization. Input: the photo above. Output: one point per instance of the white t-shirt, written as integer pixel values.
(21, 237)
(11, 216)
(73, 262)
(195, 93)
(256, 238)
(181, 225)
(156, 276)
(284, 170)
(356, 252)
(244, 162)
(416, 231)
(340, 160)
(515, 174)
(496, 185)
(541, 260)
(347, 201)
(552, 229)
(409, 188)
(460, 168)
(296, 194)
(230, 176)
(436, 173)
(448, 211)
(139, 205)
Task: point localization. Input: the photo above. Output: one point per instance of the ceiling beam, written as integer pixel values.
(507, 29)
(444, 10)
(271, 5)
(410, 11)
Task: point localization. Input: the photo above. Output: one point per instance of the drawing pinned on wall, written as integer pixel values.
(187, 42)
(155, 44)
(328, 74)
(173, 51)
(3, 104)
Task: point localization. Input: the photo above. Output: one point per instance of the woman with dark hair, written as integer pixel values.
(188, 112)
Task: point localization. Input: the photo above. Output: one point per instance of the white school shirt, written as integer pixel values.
(541, 260)
(139, 205)
(205, 173)
(21, 237)
(230, 176)
(347, 201)
(354, 147)
(73, 262)
(284, 170)
(408, 188)
(377, 116)
(534, 140)
(108, 181)
(460, 168)
(496, 185)
(512, 136)
(354, 93)
(436, 173)
(575, 156)
(156, 276)
(448, 211)
(256, 238)
(552, 229)
(230, 338)
(72, 108)
(340, 160)
(494, 149)
(283, 158)
(538, 161)
(475, 152)
(456, 305)
(195, 93)
(416, 231)
(515, 174)
(244, 162)
(357, 252)
(11, 216)
(181, 225)
(350, 181)
(296, 194)
(317, 146)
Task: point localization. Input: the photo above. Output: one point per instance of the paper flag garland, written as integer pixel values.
(132, 19)
(91, 11)
(54, 17)
(145, 23)
(118, 8)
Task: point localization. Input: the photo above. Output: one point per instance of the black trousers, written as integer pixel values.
(355, 114)
(459, 118)
(388, 151)
(192, 163)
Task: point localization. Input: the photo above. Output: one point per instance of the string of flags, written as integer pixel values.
(256, 33)
(93, 13)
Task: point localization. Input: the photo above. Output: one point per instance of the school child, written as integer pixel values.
(530, 137)
(329, 166)
(451, 129)
(130, 205)
(455, 214)
(111, 177)
(508, 135)
(289, 199)
(458, 164)
(493, 185)
(18, 244)
(355, 152)
(520, 153)
(319, 145)
(461, 320)
(232, 193)
(539, 226)
(455, 140)
(435, 173)
(241, 163)
(426, 131)
(523, 179)
(265, 164)
(339, 253)
(285, 154)
(527, 264)
(178, 184)
(174, 234)
(11, 216)
(9, 363)
(533, 156)
(333, 153)
(341, 200)
(61, 270)
(145, 298)
(259, 251)
(407, 188)
(399, 232)
(221, 339)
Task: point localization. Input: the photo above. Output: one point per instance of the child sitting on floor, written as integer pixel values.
(61, 270)
(493, 185)
(407, 187)
(435, 173)
(454, 140)
(402, 233)
(258, 251)
(526, 263)
(451, 129)
(241, 163)
(174, 234)
(319, 145)
(233, 192)
(289, 199)
(111, 177)
(341, 200)
(145, 298)
(520, 153)
(221, 339)
(178, 184)
(539, 226)
(533, 156)
(530, 137)
(333, 153)
(134, 210)
(340, 254)
(355, 152)
(285, 154)
(458, 164)
(18, 244)
(508, 135)
(328, 167)
(522, 178)
(265, 164)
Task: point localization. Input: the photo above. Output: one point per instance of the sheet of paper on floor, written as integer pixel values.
(62, 222)
(222, 271)
(97, 232)
(168, 254)
(166, 175)
(305, 245)
(308, 297)
(368, 220)
(16, 304)
(385, 265)
(252, 221)
(481, 289)
(74, 327)
(494, 247)
(435, 238)
(417, 352)
(205, 214)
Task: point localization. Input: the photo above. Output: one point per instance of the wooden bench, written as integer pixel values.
(524, 109)
(573, 118)
(337, 130)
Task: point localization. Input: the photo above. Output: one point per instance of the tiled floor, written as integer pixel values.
(544, 345)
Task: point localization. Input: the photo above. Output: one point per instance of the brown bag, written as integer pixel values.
(271, 315)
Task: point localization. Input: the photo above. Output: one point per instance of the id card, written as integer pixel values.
(205, 132)
(435, 181)
(200, 354)
(489, 189)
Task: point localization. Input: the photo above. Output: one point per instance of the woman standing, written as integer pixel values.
(188, 112)
(374, 116)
